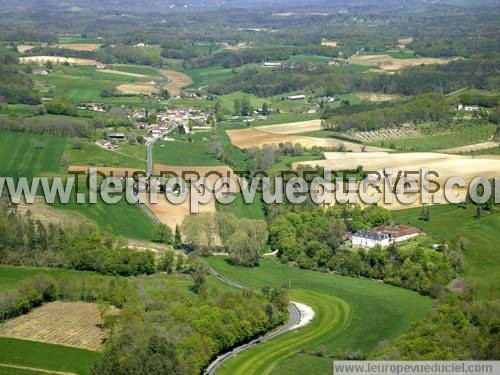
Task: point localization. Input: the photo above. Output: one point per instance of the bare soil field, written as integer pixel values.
(445, 165)
(137, 88)
(377, 97)
(46, 214)
(386, 62)
(79, 47)
(75, 324)
(470, 148)
(173, 214)
(292, 127)
(329, 43)
(56, 60)
(178, 81)
(22, 48)
(254, 137)
(116, 171)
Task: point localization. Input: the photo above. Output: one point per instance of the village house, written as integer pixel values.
(96, 107)
(41, 72)
(106, 144)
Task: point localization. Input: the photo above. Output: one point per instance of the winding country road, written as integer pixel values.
(294, 321)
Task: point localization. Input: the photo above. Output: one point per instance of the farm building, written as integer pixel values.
(369, 239)
(272, 65)
(384, 236)
(398, 233)
(296, 97)
(116, 136)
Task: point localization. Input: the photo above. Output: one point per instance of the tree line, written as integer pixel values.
(28, 242)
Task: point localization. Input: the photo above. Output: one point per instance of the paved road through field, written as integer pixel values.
(293, 321)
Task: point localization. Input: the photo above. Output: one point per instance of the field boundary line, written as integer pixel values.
(44, 371)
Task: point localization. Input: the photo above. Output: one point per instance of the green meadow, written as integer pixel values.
(350, 314)
(187, 150)
(482, 251)
(45, 357)
(27, 154)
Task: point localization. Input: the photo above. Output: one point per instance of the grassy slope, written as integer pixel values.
(46, 356)
(483, 236)
(12, 276)
(350, 314)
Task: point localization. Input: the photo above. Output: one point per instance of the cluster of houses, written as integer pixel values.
(383, 236)
(96, 107)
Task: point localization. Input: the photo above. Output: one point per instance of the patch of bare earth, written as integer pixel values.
(75, 324)
(178, 81)
(24, 47)
(386, 62)
(377, 97)
(173, 214)
(329, 43)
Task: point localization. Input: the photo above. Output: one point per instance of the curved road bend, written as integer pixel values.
(294, 320)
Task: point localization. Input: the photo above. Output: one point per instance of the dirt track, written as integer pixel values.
(178, 81)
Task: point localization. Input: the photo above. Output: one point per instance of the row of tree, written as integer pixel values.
(29, 242)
